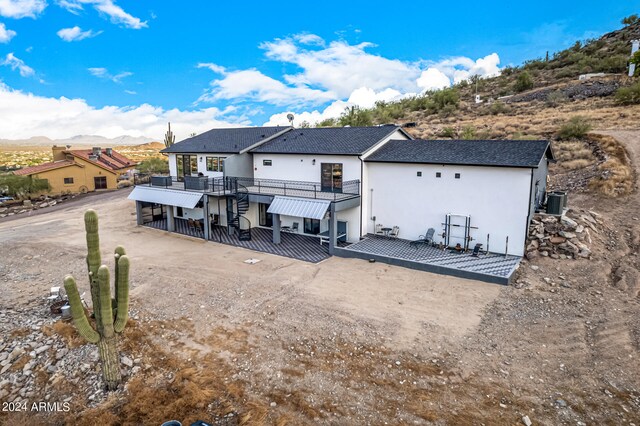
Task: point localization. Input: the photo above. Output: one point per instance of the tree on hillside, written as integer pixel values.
(524, 81)
(22, 186)
(631, 19)
(355, 116)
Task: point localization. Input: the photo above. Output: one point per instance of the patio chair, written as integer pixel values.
(394, 232)
(295, 226)
(424, 239)
(191, 223)
(198, 226)
(379, 230)
(476, 250)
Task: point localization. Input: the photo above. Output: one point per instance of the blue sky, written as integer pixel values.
(113, 67)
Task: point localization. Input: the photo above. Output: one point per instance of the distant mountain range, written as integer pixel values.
(76, 141)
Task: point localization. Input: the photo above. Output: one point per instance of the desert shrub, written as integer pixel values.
(555, 98)
(445, 97)
(628, 95)
(569, 72)
(576, 128)
(576, 164)
(524, 137)
(327, 122)
(498, 107)
(524, 81)
(612, 64)
(447, 132)
(154, 165)
(355, 116)
(508, 70)
(535, 64)
(22, 186)
(468, 133)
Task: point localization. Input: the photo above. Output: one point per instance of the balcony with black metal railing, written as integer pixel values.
(228, 186)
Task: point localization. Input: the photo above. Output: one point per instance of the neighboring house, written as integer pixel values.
(341, 184)
(81, 170)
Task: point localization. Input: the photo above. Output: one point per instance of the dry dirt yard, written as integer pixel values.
(341, 342)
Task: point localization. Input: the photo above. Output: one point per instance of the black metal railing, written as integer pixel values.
(299, 188)
(229, 185)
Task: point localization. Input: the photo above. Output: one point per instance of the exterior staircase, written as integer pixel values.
(237, 222)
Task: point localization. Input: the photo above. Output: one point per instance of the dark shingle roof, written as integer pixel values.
(230, 141)
(504, 153)
(327, 140)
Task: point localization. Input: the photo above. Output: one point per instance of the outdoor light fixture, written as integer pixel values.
(313, 161)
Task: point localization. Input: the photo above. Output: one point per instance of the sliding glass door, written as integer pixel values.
(331, 177)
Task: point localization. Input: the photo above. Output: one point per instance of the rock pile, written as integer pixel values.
(564, 237)
(14, 207)
(584, 90)
(36, 364)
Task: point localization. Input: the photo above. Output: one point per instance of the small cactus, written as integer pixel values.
(109, 321)
(169, 137)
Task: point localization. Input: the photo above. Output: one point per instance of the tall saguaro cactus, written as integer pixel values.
(169, 137)
(108, 324)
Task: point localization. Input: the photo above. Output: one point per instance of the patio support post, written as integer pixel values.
(139, 212)
(276, 229)
(171, 221)
(206, 223)
(333, 228)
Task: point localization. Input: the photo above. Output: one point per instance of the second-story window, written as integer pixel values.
(266, 162)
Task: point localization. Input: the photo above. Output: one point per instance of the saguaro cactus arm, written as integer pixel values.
(77, 311)
(94, 261)
(122, 293)
(106, 313)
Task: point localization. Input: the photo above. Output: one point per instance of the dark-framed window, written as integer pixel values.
(457, 175)
(438, 174)
(311, 226)
(68, 181)
(265, 218)
(179, 212)
(331, 177)
(267, 162)
(215, 164)
(186, 165)
(419, 174)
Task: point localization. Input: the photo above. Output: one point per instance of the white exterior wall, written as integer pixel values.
(352, 217)
(196, 213)
(173, 170)
(496, 198)
(300, 167)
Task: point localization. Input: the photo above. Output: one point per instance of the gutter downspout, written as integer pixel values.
(361, 191)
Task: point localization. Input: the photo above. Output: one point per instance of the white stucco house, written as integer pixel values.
(339, 185)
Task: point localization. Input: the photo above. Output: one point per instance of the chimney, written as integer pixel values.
(58, 153)
(96, 151)
(109, 151)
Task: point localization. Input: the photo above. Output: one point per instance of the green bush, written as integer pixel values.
(154, 165)
(576, 128)
(556, 98)
(498, 107)
(524, 81)
(447, 132)
(628, 95)
(327, 122)
(355, 116)
(468, 133)
(445, 97)
(22, 186)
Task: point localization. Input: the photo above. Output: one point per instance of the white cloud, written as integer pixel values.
(461, 68)
(104, 73)
(433, 79)
(213, 67)
(252, 85)
(64, 118)
(21, 8)
(106, 7)
(76, 34)
(130, 92)
(5, 34)
(18, 64)
(340, 67)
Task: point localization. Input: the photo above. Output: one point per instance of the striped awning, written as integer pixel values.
(168, 197)
(299, 207)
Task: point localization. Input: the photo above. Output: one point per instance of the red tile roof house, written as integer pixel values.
(81, 170)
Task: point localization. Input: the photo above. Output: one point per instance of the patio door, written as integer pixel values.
(266, 218)
(331, 177)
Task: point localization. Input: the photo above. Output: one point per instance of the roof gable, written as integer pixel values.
(45, 167)
(495, 153)
(225, 141)
(111, 163)
(327, 140)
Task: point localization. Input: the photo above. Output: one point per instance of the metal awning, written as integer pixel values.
(168, 197)
(299, 207)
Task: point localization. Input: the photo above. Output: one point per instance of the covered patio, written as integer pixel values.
(491, 267)
(292, 245)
